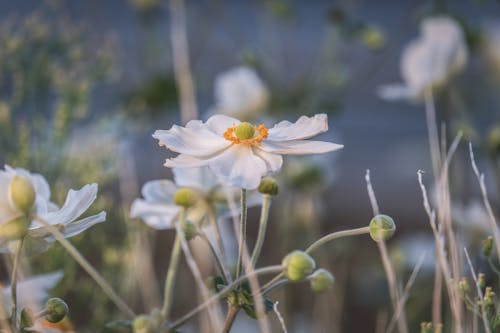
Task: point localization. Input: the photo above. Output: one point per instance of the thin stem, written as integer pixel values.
(336, 235)
(230, 317)
(13, 281)
(224, 292)
(108, 290)
(172, 269)
(218, 260)
(275, 285)
(264, 217)
(218, 236)
(243, 231)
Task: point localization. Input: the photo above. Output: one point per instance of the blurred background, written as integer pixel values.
(83, 85)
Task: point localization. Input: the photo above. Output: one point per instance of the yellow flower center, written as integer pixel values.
(246, 133)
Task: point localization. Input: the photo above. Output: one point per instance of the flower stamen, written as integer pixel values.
(242, 133)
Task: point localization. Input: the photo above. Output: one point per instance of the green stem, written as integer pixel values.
(336, 235)
(217, 234)
(264, 217)
(88, 268)
(243, 231)
(172, 268)
(13, 281)
(222, 293)
(218, 260)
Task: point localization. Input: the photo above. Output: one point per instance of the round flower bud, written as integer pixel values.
(244, 131)
(190, 230)
(382, 227)
(487, 246)
(185, 197)
(481, 281)
(298, 265)
(22, 194)
(14, 229)
(143, 324)
(321, 280)
(268, 186)
(56, 310)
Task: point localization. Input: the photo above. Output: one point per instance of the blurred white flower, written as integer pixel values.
(240, 92)
(32, 292)
(158, 210)
(239, 153)
(471, 216)
(65, 218)
(436, 56)
(410, 248)
(491, 45)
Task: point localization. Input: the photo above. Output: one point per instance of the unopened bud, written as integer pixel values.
(487, 246)
(27, 318)
(185, 197)
(22, 194)
(489, 296)
(298, 265)
(190, 230)
(481, 281)
(56, 309)
(268, 186)
(14, 229)
(143, 324)
(321, 280)
(382, 227)
(426, 327)
(463, 286)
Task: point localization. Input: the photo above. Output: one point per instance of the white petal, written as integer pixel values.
(77, 202)
(303, 128)
(185, 161)
(238, 166)
(196, 139)
(299, 147)
(220, 123)
(76, 227)
(273, 161)
(161, 191)
(157, 216)
(199, 178)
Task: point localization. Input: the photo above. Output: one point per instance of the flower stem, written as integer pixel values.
(243, 231)
(224, 292)
(172, 269)
(13, 281)
(335, 235)
(120, 303)
(218, 259)
(232, 312)
(264, 217)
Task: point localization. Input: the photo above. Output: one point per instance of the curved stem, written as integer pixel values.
(13, 281)
(335, 235)
(87, 267)
(222, 293)
(218, 259)
(172, 268)
(217, 234)
(264, 217)
(243, 231)
(275, 285)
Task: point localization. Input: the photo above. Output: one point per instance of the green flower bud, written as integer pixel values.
(143, 324)
(185, 197)
(481, 281)
(382, 227)
(321, 280)
(489, 296)
(268, 186)
(14, 229)
(22, 194)
(463, 286)
(56, 309)
(190, 230)
(487, 246)
(27, 318)
(298, 265)
(244, 131)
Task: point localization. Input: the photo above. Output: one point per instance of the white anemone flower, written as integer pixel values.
(65, 218)
(159, 211)
(31, 293)
(240, 92)
(430, 61)
(239, 153)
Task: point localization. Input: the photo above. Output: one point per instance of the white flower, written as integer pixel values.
(31, 292)
(240, 92)
(65, 217)
(437, 55)
(240, 154)
(158, 210)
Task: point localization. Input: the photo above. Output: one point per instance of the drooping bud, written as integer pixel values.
(185, 197)
(190, 230)
(143, 324)
(298, 265)
(382, 227)
(321, 280)
(15, 229)
(56, 309)
(487, 246)
(481, 281)
(244, 131)
(22, 194)
(268, 186)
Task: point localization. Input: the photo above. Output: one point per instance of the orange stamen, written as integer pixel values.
(260, 130)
